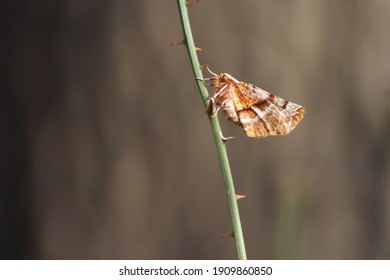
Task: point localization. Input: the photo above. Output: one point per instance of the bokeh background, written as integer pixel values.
(106, 152)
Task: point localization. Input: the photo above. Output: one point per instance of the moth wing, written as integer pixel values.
(253, 125)
(270, 114)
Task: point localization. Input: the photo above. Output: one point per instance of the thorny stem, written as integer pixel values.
(221, 148)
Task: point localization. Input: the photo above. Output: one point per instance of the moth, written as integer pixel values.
(257, 111)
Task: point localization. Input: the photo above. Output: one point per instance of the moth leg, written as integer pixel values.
(212, 109)
(225, 139)
(203, 80)
(220, 92)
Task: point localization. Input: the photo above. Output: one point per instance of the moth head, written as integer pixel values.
(220, 81)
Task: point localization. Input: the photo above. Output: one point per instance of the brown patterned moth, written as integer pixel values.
(259, 112)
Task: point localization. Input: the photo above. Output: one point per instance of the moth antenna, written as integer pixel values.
(211, 72)
(208, 69)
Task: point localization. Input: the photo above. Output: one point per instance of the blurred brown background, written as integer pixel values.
(106, 152)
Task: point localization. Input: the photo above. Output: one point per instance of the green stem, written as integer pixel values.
(221, 148)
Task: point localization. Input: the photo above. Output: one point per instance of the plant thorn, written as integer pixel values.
(228, 235)
(177, 43)
(240, 196)
(191, 2)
